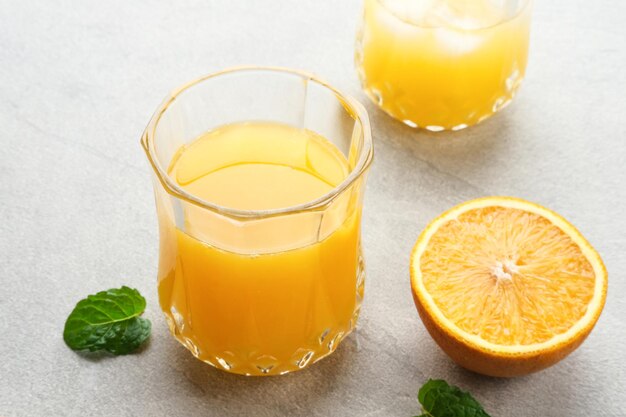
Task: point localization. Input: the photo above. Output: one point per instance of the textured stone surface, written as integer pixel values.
(80, 79)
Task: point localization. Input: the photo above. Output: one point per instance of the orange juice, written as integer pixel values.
(250, 304)
(443, 64)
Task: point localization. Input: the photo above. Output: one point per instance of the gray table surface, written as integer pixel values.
(80, 79)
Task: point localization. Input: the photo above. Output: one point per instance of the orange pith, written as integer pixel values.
(506, 287)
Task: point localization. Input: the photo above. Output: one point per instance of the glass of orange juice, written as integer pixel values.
(259, 176)
(443, 64)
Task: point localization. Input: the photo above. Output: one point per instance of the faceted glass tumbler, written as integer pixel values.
(241, 306)
(442, 64)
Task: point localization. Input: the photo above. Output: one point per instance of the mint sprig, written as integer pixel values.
(438, 399)
(108, 321)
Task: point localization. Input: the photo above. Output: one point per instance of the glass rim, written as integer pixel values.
(421, 26)
(351, 105)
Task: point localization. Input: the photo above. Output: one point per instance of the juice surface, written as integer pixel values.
(250, 308)
(442, 64)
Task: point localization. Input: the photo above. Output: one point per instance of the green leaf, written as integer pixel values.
(438, 399)
(108, 320)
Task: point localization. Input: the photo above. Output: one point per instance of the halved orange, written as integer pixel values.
(506, 287)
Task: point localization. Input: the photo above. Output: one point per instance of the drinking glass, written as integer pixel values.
(259, 292)
(442, 64)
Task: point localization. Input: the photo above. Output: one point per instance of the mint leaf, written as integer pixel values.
(109, 321)
(438, 399)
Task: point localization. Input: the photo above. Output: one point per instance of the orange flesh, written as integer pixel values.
(508, 276)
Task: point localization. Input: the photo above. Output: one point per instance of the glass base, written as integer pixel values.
(264, 364)
(498, 104)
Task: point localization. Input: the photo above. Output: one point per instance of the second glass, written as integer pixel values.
(258, 177)
(443, 64)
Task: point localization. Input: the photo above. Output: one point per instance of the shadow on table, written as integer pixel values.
(470, 149)
(302, 388)
(547, 390)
